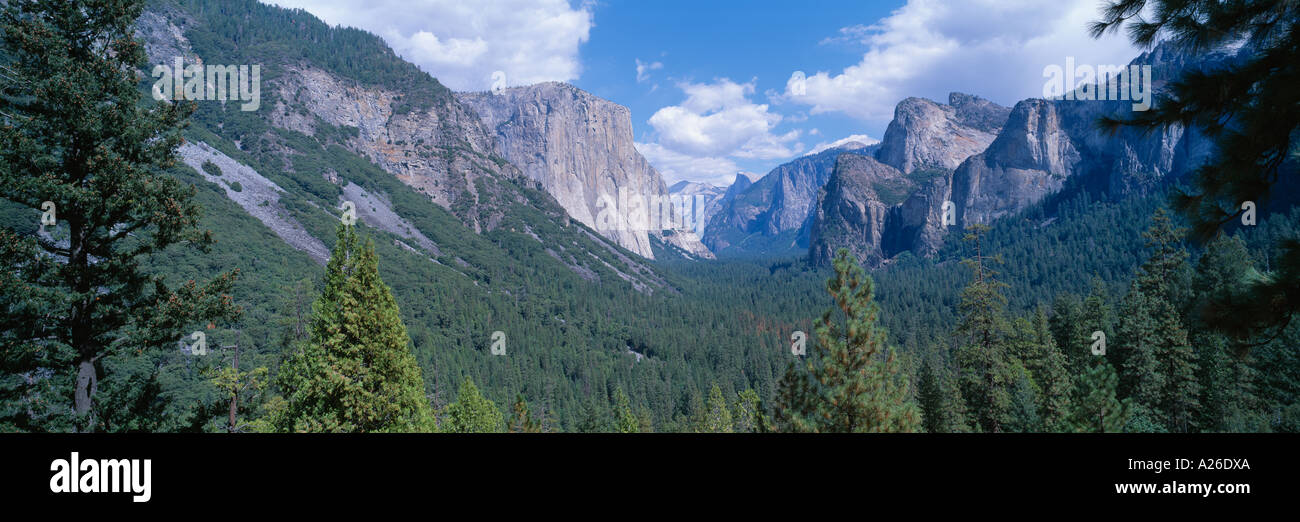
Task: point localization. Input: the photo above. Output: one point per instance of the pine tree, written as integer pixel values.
(1068, 327)
(1256, 93)
(626, 421)
(1160, 369)
(1047, 367)
(987, 369)
(1227, 375)
(1095, 407)
(748, 410)
(942, 408)
(794, 401)
(853, 382)
(357, 373)
(472, 412)
(522, 417)
(717, 416)
(74, 133)
(1096, 317)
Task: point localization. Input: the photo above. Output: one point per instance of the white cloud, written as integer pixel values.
(462, 43)
(675, 166)
(993, 48)
(643, 69)
(860, 138)
(718, 119)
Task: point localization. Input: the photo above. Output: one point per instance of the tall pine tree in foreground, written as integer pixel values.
(853, 382)
(74, 134)
(357, 373)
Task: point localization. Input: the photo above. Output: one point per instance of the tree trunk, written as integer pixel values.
(87, 381)
(234, 397)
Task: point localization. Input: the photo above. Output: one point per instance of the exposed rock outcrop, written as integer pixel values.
(258, 196)
(929, 135)
(1042, 145)
(442, 152)
(580, 148)
(773, 214)
(851, 210)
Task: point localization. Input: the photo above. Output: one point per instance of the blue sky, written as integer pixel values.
(709, 83)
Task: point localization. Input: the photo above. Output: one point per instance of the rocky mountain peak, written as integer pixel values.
(929, 135)
(580, 148)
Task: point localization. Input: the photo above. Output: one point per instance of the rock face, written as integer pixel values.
(579, 147)
(852, 210)
(878, 212)
(258, 196)
(441, 152)
(929, 135)
(709, 198)
(1031, 159)
(1040, 148)
(773, 214)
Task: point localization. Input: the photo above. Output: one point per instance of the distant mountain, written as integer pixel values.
(1043, 145)
(692, 188)
(345, 120)
(579, 147)
(770, 216)
(709, 198)
(926, 135)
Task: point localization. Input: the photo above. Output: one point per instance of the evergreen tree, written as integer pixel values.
(74, 133)
(1096, 317)
(1160, 370)
(853, 383)
(1047, 367)
(472, 412)
(987, 369)
(1227, 377)
(1024, 416)
(1256, 94)
(748, 410)
(522, 418)
(626, 421)
(1068, 327)
(1095, 407)
(794, 401)
(717, 417)
(942, 408)
(357, 373)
